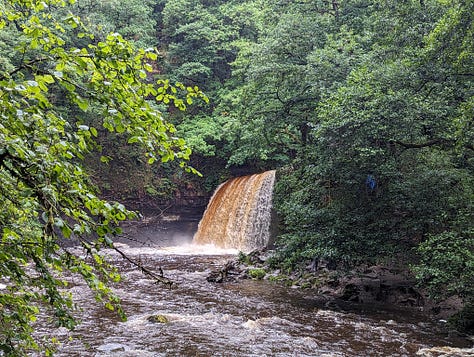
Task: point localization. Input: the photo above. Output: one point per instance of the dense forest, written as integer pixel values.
(365, 108)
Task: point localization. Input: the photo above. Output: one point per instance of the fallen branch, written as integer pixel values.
(159, 278)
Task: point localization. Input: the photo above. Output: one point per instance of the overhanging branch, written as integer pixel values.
(419, 145)
(434, 142)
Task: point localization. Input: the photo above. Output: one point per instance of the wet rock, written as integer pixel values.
(313, 266)
(112, 347)
(351, 293)
(158, 319)
(318, 264)
(445, 308)
(256, 257)
(446, 352)
(378, 284)
(246, 266)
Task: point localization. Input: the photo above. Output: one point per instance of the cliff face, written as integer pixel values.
(184, 202)
(189, 206)
(161, 188)
(155, 189)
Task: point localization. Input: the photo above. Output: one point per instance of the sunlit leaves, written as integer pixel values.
(46, 91)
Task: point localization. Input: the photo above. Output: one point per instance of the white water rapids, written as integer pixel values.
(244, 318)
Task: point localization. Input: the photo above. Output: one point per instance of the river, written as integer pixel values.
(244, 318)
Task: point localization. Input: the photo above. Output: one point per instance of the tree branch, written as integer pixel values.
(418, 145)
(433, 142)
(23, 66)
(158, 278)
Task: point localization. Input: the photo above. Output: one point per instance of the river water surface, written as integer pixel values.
(244, 318)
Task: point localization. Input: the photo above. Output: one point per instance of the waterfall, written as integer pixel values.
(239, 213)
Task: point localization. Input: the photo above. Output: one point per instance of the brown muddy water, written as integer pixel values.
(244, 318)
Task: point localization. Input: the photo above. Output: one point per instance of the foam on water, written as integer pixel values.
(183, 249)
(246, 317)
(198, 249)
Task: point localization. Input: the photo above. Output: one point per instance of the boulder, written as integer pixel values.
(158, 319)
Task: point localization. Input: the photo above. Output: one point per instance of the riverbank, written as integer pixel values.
(364, 285)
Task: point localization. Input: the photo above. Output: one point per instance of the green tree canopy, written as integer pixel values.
(388, 172)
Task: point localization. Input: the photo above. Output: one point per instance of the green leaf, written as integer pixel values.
(105, 159)
(82, 103)
(48, 78)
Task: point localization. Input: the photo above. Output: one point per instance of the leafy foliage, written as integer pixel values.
(201, 42)
(365, 106)
(133, 19)
(47, 88)
(388, 169)
(446, 264)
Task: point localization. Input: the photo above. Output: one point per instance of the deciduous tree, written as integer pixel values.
(47, 85)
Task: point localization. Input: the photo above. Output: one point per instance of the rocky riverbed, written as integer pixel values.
(376, 284)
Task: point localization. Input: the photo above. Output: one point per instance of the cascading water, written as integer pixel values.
(239, 213)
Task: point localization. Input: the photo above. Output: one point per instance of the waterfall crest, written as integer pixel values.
(239, 213)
